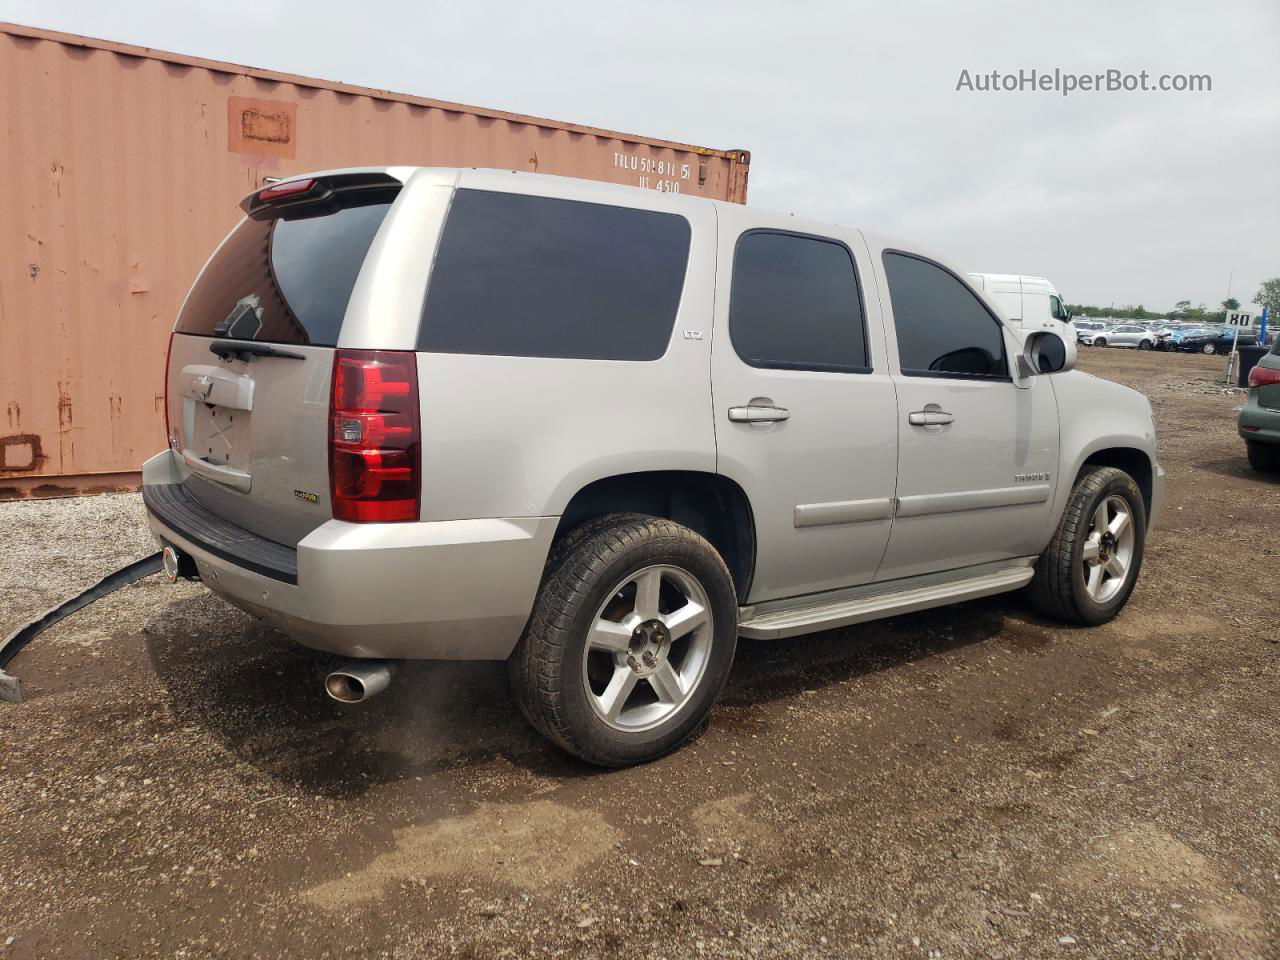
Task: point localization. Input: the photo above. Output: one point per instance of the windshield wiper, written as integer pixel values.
(243, 351)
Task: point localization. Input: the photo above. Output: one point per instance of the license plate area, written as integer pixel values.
(217, 405)
(218, 435)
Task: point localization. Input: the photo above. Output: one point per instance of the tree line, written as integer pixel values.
(1268, 296)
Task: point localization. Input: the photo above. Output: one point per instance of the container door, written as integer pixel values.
(252, 356)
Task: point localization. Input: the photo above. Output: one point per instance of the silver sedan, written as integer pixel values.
(1125, 335)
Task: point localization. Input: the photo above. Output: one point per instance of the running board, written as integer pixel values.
(796, 620)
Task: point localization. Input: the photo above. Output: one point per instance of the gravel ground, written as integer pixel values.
(968, 782)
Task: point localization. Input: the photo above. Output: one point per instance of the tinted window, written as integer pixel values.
(795, 304)
(538, 277)
(943, 330)
(285, 281)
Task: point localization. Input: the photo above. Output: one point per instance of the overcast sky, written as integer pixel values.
(851, 111)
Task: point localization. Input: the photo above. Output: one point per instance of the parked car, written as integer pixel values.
(1260, 417)
(1213, 340)
(1175, 330)
(1184, 330)
(1126, 335)
(469, 414)
(1159, 328)
(1086, 330)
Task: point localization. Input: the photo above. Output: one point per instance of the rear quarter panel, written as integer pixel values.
(519, 436)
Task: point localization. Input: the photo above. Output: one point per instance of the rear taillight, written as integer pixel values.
(1263, 376)
(374, 436)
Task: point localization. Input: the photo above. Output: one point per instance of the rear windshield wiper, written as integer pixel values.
(243, 351)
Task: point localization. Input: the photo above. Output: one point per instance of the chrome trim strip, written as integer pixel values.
(843, 511)
(928, 504)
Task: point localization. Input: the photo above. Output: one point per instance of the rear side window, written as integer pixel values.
(539, 277)
(943, 329)
(795, 304)
(286, 281)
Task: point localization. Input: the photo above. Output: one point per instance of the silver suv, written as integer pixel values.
(601, 432)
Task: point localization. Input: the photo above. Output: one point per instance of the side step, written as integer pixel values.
(795, 620)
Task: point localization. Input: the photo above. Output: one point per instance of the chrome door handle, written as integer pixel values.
(758, 414)
(929, 418)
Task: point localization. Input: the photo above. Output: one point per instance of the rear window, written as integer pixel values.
(540, 277)
(286, 281)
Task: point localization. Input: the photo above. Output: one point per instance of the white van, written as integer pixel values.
(1030, 301)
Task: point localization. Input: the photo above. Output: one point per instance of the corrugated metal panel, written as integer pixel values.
(122, 168)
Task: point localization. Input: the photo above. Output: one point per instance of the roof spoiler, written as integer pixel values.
(319, 194)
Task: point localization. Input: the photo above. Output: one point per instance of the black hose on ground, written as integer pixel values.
(10, 688)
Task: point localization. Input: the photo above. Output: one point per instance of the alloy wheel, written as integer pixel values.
(1109, 549)
(648, 648)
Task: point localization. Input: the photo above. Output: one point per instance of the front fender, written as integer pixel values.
(1098, 415)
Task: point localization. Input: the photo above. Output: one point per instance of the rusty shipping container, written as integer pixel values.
(122, 168)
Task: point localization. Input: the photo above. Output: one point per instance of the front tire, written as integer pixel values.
(1209, 349)
(630, 642)
(1088, 571)
(1100, 342)
(1263, 457)
(1144, 344)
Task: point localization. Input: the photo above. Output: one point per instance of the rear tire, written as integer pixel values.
(630, 642)
(1263, 457)
(1088, 571)
(1209, 349)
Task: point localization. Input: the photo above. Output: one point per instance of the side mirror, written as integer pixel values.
(1046, 352)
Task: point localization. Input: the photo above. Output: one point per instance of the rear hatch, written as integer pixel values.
(252, 353)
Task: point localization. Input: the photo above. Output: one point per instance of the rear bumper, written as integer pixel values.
(447, 590)
(1258, 423)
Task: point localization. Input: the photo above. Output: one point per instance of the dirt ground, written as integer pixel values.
(968, 782)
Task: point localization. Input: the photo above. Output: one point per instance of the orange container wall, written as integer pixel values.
(122, 168)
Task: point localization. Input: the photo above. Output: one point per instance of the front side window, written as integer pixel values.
(1055, 308)
(943, 329)
(524, 276)
(794, 304)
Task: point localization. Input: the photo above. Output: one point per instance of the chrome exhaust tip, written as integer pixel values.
(169, 562)
(358, 680)
(177, 565)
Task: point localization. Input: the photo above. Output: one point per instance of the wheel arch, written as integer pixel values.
(710, 504)
(1133, 461)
